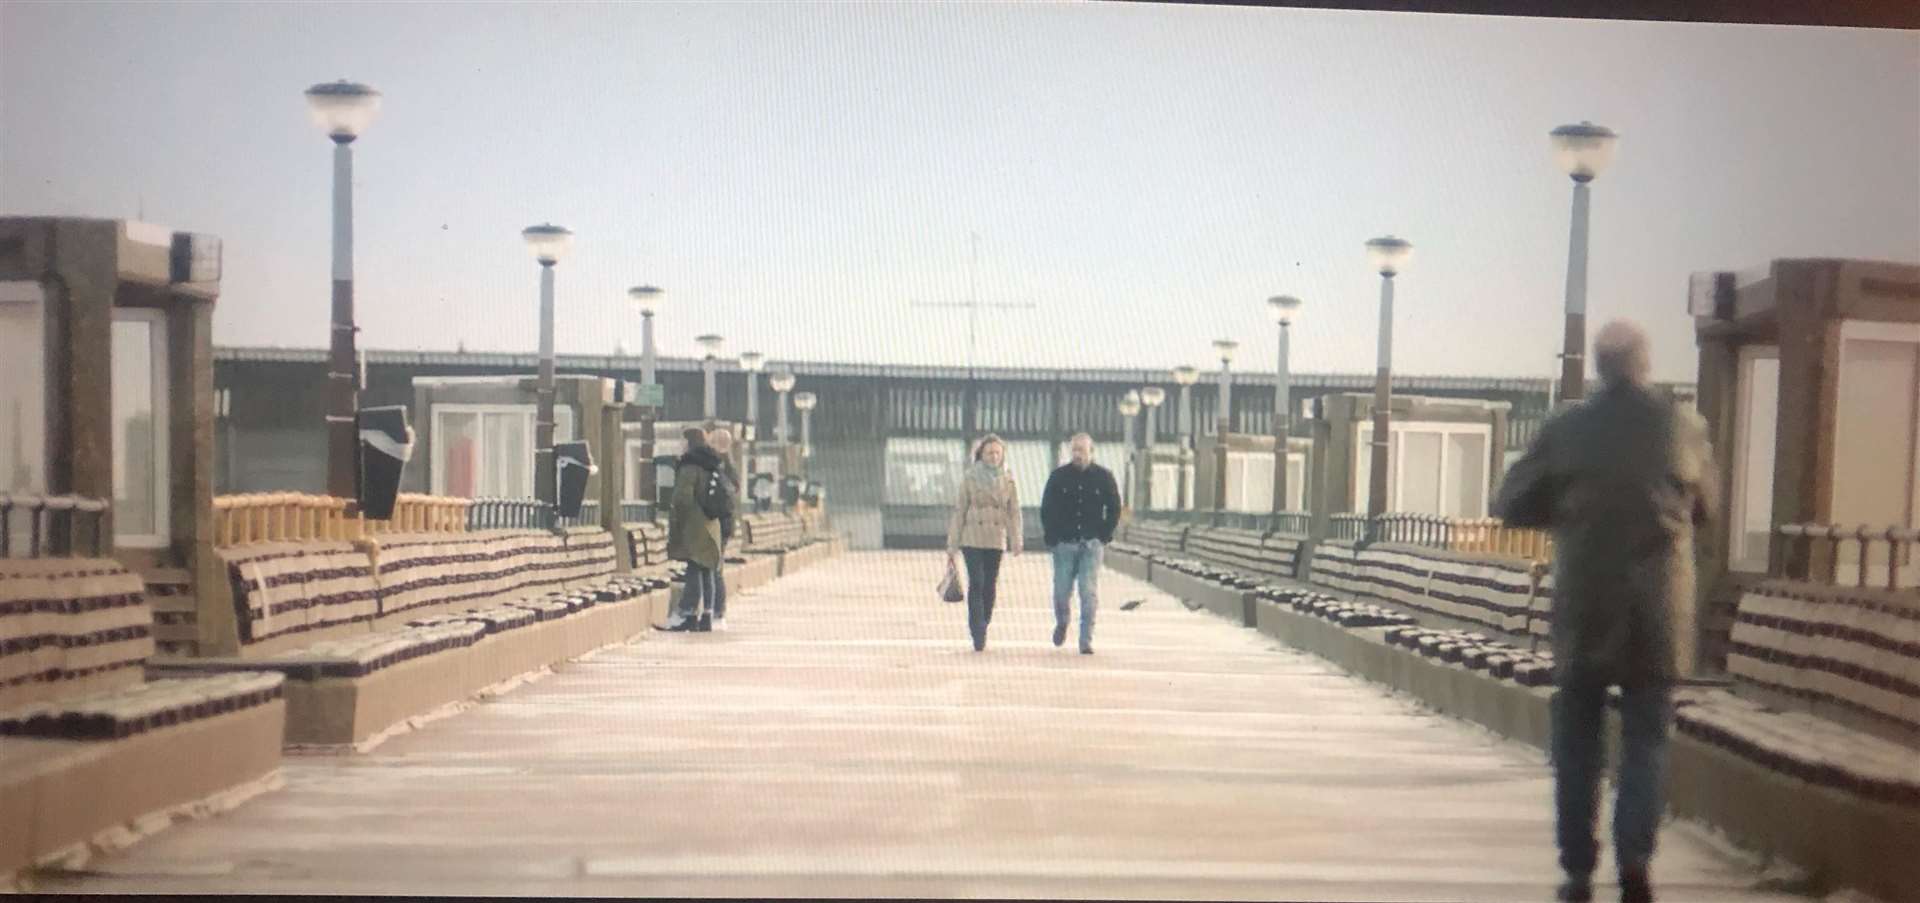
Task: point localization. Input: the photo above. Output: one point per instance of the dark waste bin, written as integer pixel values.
(386, 444)
(574, 461)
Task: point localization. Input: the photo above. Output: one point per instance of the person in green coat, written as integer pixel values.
(692, 536)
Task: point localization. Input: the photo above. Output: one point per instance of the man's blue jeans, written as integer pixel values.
(1579, 752)
(1077, 562)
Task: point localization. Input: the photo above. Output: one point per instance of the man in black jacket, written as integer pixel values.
(1622, 479)
(1078, 512)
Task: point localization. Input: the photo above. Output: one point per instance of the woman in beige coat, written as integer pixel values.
(986, 524)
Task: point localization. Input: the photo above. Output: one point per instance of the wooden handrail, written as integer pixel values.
(303, 517)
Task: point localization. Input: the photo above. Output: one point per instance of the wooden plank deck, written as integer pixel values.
(843, 739)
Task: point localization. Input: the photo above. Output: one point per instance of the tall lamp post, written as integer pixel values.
(343, 109)
(1129, 409)
(1185, 377)
(647, 298)
(1387, 255)
(709, 369)
(548, 243)
(1225, 348)
(752, 362)
(1151, 397)
(782, 383)
(1582, 151)
(1284, 308)
(804, 403)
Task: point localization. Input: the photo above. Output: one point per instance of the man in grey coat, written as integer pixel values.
(1621, 479)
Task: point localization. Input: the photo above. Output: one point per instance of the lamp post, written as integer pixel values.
(647, 298)
(1151, 397)
(709, 367)
(1224, 422)
(343, 109)
(804, 403)
(782, 383)
(1129, 409)
(1387, 255)
(1582, 151)
(1185, 377)
(1284, 308)
(752, 362)
(548, 243)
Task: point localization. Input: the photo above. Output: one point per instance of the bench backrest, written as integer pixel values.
(69, 627)
(286, 588)
(1852, 653)
(1498, 593)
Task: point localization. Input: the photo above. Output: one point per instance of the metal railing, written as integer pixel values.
(1429, 530)
(1483, 536)
(1897, 571)
(301, 517)
(1349, 527)
(510, 514)
(63, 525)
(1299, 523)
(630, 513)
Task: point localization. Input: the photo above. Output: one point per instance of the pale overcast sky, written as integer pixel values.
(795, 174)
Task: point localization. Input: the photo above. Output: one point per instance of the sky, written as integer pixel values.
(796, 176)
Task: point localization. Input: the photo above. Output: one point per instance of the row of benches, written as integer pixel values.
(344, 644)
(1813, 752)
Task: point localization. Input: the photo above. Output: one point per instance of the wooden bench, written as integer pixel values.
(1267, 556)
(1503, 594)
(88, 744)
(373, 633)
(1816, 744)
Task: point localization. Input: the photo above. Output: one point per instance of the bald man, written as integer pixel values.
(1621, 479)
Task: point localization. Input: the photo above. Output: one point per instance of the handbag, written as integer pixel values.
(950, 585)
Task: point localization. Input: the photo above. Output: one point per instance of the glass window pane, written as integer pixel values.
(136, 474)
(924, 471)
(1296, 482)
(563, 423)
(456, 444)
(1031, 464)
(1761, 408)
(1250, 482)
(1420, 491)
(1467, 476)
(23, 389)
(507, 462)
(1166, 486)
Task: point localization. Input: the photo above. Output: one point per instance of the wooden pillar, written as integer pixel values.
(1803, 449)
(84, 265)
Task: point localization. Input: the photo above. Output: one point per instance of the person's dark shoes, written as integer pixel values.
(706, 624)
(1086, 650)
(979, 645)
(1575, 890)
(1636, 886)
(1060, 634)
(681, 626)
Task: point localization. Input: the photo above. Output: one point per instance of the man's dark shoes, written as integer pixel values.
(706, 624)
(1086, 650)
(1060, 634)
(1636, 887)
(1575, 890)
